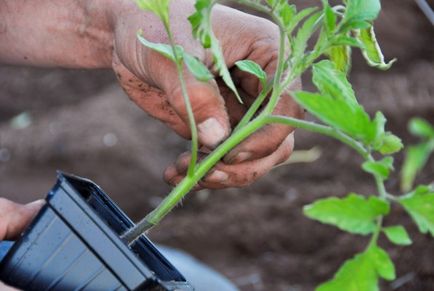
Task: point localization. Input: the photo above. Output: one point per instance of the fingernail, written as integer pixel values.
(37, 203)
(211, 132)
(217, 176)
(35, 206)
(241, 157)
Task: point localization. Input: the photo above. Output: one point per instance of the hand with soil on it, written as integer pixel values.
(151, 81)
(102, 34)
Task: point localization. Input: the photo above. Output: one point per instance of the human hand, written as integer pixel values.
(151, 81)
(14, 218)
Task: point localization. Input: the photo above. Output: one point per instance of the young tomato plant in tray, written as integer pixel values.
(335, 32)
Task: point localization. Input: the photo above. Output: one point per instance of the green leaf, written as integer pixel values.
(331, 81)
(163, 49)
(341, 57)
(273, 3)
(389, 144)
(341, 114)
(362, 10)
(380, 122)
(340, 52)
(352, 25)
(362, 272)
(354, 213)
(286, 13)
(421, 128)
(298, 18)
(197, 68)
(254, 69)
(379, 169)
(385, 142)
(415, 159)
(420, 205)
(200, 22)
(356, 274)
(223, 70)
(299, 44)
(382, 263)
(347, 41)
(398, 235)
(158, 7)
(329, 19)
(202, 30)
(371, 49)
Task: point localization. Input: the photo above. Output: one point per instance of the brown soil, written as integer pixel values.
(257, 236)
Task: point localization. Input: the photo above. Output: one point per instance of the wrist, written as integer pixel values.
(63, 33)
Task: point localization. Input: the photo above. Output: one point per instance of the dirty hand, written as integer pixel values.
(13, 220)
(101, 34)
(151, 81)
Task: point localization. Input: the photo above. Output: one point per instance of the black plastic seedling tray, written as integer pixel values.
(74, 244)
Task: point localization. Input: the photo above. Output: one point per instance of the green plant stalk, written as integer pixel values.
(189, 182)
(321, 129)
(382, 193)
(191, 120)
(331, 132)
(244, 129)
(376, 234)
(179, 192)
(255, 6)
(252, 121)
(200, 170)
(254, 107)
(277, 89)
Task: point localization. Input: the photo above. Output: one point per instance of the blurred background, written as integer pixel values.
(81, 122)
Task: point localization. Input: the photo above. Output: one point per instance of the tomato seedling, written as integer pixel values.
(336, 31)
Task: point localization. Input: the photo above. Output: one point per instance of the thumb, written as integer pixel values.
(14, 217)
(207, 104)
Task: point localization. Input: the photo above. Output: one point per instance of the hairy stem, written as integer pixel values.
(191, 120)
(277, 89)
(255, 5)
(254, 107)
(202, 168)
(189, 182)
(374, 238)
(321, 129)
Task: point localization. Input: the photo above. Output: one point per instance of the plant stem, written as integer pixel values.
(253, 108)
(255, 6)
(277, 89)
(382, 193)
(318, 128)
(189, 182)
(191, 120)
(374, 239)
(202, 168)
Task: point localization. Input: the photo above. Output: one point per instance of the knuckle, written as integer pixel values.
(266, 28)
(169, 173)
(176, 100)
(200, 100)
(246, 179)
